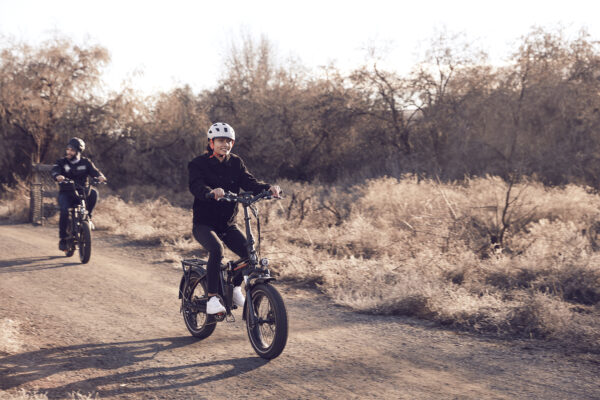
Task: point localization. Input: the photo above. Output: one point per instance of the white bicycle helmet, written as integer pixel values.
(220, 129)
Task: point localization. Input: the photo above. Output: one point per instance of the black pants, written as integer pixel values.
(212, 241)
(67, 200)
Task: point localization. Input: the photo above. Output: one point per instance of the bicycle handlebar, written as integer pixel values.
(244, 197)
(94, 181)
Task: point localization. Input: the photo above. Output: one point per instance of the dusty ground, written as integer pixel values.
(113, 328)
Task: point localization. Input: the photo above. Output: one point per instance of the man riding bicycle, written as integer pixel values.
(77, 168)
(217, 171)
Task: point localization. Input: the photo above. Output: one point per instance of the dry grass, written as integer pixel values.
(14, 203)
(32, 395)
(149, 222)
(22, 395)
(10, 341)
(421, 248)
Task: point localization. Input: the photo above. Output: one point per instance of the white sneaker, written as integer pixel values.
(214, 306)
(238, 297)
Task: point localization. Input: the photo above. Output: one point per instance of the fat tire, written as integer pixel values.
(191, 320)
(85, 242)
(277, 314)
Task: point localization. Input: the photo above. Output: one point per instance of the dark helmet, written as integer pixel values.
(76, 144)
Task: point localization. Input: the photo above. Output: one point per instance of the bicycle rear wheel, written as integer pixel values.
(85, 242)
(200, 324)
(268, 330)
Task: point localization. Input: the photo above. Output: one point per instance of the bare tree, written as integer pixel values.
(389, 102)
(441, 87)
(39, 87)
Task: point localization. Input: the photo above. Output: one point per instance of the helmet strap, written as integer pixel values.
(211, 143)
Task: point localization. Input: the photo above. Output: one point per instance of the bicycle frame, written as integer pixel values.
(250, 266)
(264, 309)
(78, 212)
(80, 233)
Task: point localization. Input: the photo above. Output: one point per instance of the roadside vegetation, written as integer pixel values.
(483, 255)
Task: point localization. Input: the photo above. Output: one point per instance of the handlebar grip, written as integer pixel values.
(229, 196)
(272, 196)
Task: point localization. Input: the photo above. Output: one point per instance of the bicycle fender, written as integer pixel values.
(199, 270)
(265, 279)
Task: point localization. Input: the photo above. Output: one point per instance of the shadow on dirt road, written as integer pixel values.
(20, 369)
(24, 264)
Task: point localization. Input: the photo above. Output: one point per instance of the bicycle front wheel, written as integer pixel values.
(268, 327)
(85, 242)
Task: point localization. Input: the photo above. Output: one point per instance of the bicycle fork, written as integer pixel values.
(250, 305)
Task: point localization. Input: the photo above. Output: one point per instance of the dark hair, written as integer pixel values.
(208, 151)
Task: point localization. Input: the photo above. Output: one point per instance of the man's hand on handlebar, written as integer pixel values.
(276, 191)
(101, 179)
(217, 193)
(60, 178)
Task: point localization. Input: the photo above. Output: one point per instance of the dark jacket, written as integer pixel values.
(208, 173)
(78, 172)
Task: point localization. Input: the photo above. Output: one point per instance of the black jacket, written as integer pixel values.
(78, 172)
(208, 173)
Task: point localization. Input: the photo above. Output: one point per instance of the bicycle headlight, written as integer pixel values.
(264, 262)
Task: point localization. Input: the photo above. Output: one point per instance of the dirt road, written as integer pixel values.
(112, 327)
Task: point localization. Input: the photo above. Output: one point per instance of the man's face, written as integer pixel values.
(222, 146)
(71, 153)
